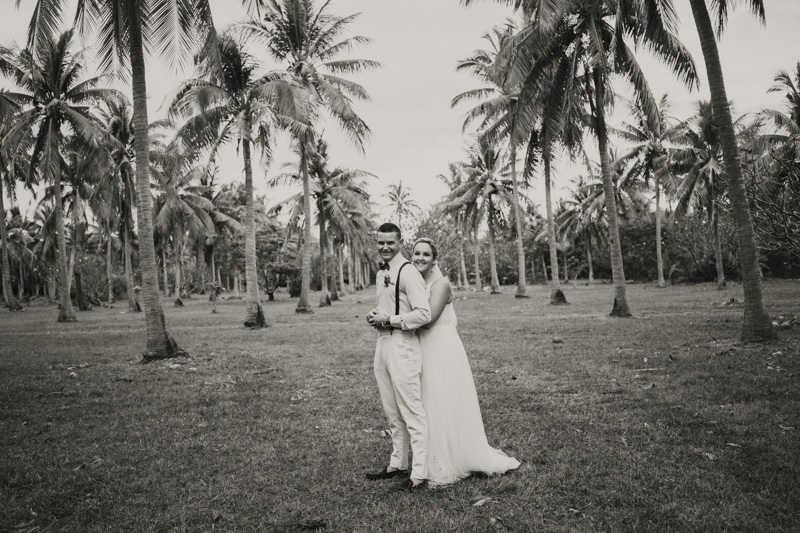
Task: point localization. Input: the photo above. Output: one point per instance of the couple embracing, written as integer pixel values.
(423, 374)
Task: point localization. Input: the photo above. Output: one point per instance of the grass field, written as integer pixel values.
(660, 422)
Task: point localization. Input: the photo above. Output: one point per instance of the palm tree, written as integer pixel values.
(486, 186)
(583, 219)
(237, 103)
(117, 115)
(306, 38)
(499, 121)
(339, 200)
(786, 124)
(585, 42)
(453, 180)
(9, 172)
(756, 325)
(53, 98)
(400, 203)
(648, 159)
(124, 28)
(701, 187)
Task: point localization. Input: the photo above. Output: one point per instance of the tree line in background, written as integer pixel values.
(127, 214)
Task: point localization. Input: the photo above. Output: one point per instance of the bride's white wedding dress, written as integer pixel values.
(457, 444)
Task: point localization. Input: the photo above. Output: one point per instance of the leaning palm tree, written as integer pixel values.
(587, 40)
(48, 76)
(239, 103)
(306, 38)
(756, 325)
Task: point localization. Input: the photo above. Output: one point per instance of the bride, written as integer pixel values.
(457, 445)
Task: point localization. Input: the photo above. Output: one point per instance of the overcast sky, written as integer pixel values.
(415, 133)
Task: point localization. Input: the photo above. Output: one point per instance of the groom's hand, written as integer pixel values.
(371, 317)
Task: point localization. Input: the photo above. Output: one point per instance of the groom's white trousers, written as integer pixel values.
(398, 365)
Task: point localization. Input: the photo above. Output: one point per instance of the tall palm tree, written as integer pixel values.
(756, 325)
(238, 103)
(339, 200)
(583, 220)
(307, 39)
(648, 159)
(702, 186)
(9, 172)
(124, 28)
(486, 188)
(117, 115)
(499, 120)
(54, 98)
(401, 205)
(453, 180)
(586, 40)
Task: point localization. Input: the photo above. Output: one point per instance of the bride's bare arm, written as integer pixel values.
(441, 294)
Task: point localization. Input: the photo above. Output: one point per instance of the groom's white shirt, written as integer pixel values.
(415, 310)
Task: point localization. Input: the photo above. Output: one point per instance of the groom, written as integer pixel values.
(402, 307)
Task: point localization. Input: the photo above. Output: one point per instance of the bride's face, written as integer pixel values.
(423, 257)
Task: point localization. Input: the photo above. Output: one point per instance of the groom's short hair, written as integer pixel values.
(388, 227)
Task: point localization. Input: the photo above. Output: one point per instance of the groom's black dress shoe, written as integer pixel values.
(406, 485)
(383, 474)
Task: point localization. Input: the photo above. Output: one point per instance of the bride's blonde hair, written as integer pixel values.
(430, 243)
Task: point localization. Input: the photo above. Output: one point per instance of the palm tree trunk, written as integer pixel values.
(65, 312)
(21, 284)
(492, 259)
(109, 265)
(237, 286)
(522, 290)
(160, 344)
(340, 271)
(76, 206)
(756, 325)
(544, 267)
(620, 308)
(477, 246)
(589, 258)
(305, 271)
(166, 270)
(717, 244)
(129, 282)
(350, 255)
(325, 297)
(462, 264)
(255, 314)
(557, 296)
(177, 248)
(659, 258)
(11, 301)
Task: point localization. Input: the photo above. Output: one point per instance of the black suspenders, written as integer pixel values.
(397, 291)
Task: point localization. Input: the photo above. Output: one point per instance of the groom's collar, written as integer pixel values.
(397, 260)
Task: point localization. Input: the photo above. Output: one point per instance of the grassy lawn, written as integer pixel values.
(662, 422)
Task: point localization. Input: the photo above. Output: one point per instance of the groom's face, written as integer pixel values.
(388, 245)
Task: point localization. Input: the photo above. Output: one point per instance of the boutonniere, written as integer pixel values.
(387, 279)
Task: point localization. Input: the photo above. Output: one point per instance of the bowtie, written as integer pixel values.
(383, 265)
